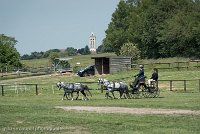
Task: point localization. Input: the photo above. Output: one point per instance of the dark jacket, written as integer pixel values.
(141, 73)
(154, 76)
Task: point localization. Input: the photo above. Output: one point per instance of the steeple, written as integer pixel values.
(92, 43)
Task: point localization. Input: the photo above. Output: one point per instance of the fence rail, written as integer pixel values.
(172, 65)
(4, 85)
(36, 86)
(184, 83)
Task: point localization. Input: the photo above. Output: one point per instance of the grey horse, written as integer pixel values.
(70, 88)
(122, 87)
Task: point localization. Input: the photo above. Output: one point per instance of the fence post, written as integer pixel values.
(185, 85)
(2, 91)
(36, 89)
(170, 85)
(199, 85)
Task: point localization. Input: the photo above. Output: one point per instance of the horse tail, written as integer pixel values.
(89, 92)
(85, 87)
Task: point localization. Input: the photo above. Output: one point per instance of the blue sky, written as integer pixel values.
(40, 25)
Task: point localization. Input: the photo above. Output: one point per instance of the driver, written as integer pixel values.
(139, 76)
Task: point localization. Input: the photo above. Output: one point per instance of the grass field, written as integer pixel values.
(26, 112)
(84, 60)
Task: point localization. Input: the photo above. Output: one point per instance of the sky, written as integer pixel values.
(40, 25)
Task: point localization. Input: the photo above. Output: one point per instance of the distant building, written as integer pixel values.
(111, 64)
(92, 43)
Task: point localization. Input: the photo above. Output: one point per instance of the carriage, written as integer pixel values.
(144, 89)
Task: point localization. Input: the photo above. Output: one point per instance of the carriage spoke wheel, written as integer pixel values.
(157, 92)
(136, 94)
(142, 91)
(145, 92)
(154, 92)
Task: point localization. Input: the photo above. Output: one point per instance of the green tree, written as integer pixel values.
(84, 51)
(48, 53)
(117, 33)
(182, 33)
(9, 56)
(161, 28)
(53, 56)
(130, 49)
(71, 51)
(64, 64)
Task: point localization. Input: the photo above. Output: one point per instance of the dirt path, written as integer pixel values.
(129, 110)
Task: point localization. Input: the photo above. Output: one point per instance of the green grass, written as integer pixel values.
(31, 111)
(36, 63)
(26, 112)
(84, 60)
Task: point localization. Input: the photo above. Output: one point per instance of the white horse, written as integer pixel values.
(70, 88)
(122, 87)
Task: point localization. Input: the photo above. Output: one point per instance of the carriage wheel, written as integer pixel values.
(157, 92)
(145, 92)
(135, 94)
(154, 92)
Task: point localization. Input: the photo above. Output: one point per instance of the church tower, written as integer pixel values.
(92, 43)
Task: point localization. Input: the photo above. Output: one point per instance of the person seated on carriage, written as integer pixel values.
(154, 77)
(139, 76)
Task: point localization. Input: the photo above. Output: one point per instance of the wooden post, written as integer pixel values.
(170, 85)
(169, 65)
(199, 85)
(178, 66)
(36, 89)
(2, 91)
(185, 85)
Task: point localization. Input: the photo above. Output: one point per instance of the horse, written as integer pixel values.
(70, 88)
(122, 87)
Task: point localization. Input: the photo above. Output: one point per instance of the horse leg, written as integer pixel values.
(89, 93)
(127, 93)
(107, 94)
(77, 95)
(72, 96)
(113, 94)
(85, 98)
(65, 93)
(120, 94)
(67, 96)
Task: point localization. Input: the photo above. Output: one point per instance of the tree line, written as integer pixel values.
(9, 56)
(157, 28)
(69, 51)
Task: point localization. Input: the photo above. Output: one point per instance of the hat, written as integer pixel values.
(141, 66)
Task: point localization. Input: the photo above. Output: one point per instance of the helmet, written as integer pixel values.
(141, 66)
